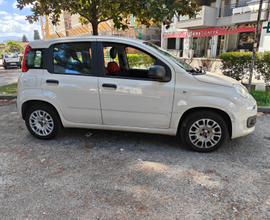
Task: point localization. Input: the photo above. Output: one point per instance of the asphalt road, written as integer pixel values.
(121, 175)
(10, 75)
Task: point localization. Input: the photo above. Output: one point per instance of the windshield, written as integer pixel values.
(176, 60)
(11, 55)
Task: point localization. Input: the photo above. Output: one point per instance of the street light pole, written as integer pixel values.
(255, 45)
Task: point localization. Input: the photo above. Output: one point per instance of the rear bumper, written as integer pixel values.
(6, 64)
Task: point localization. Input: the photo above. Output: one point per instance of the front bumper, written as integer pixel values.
(244, 120)
(251, 121)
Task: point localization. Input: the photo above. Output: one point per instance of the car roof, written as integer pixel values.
(47, 42)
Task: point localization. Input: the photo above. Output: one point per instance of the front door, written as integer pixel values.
(132, 98)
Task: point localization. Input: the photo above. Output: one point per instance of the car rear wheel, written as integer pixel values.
(43, 121)
(204, 131)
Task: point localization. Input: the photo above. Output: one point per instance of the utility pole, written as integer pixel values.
(255, 45)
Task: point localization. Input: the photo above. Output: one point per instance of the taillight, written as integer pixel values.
(4, 61)
(24, 69)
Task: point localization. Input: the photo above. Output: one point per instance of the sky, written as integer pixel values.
(13, 24)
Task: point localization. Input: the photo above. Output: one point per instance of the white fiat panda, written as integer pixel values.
(125, 84)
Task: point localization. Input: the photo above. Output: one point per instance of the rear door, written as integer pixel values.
(71, 81)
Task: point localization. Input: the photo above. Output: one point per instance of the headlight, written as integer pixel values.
(241, 90)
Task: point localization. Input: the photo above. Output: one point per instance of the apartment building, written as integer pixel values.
(69, 26)
(221, 26)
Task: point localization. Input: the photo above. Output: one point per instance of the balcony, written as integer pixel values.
(249, 13)
(244, 11)
(205, 19)
(148, 34)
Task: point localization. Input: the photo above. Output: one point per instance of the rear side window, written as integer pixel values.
(34, 59)
(72, 58)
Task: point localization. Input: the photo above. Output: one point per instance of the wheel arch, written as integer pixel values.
(26, 105)
(223, 114)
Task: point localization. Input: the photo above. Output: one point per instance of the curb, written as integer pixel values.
(7, 97)
(263, 109)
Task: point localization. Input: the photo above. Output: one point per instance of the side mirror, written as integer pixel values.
(159, 73)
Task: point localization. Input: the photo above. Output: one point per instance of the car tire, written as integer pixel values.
(204, 131)
(5, 67)
(43, 121)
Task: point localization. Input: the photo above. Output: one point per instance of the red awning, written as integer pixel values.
(211, 31)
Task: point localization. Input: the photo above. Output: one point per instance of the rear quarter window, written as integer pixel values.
(34, 59)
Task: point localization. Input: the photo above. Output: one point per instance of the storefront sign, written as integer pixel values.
(267, 28)
(213, 31)
(246, 40)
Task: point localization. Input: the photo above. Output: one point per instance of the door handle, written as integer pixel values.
(52, 81)
(109, 86)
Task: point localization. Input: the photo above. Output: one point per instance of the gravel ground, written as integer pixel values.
(120, 175)
(10, 75)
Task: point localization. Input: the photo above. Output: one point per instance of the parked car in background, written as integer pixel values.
(125, 84)
(11, 60)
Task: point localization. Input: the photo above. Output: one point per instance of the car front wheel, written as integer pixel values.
(43, 121)
(204, 131)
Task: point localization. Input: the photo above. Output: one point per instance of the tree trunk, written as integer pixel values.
(95, 28)
(94, 20)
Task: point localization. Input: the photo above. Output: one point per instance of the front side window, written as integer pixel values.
(72, 58)
(128, 61)
(107, 56)
(138, 59)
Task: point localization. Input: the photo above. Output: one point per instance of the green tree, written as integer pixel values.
(13, 47)
(95, 12)
(36, 35)
(24, 38)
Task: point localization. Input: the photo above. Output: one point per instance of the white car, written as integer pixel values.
(125, 84)
(11, 59)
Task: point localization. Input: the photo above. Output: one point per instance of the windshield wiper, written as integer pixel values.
(196, 71)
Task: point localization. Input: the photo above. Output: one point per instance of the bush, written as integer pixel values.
(21, 57)
(136, 60)
(263, 66)
(236, 64)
